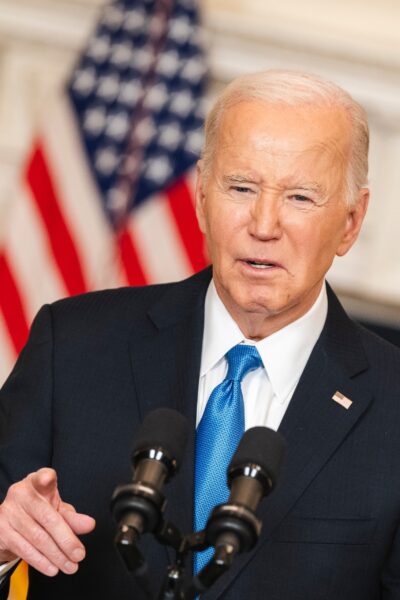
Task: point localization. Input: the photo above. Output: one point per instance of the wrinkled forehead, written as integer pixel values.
(284, 129)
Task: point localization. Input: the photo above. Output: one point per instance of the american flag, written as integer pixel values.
(107, 193)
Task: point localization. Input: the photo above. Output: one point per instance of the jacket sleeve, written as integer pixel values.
(391, 571)
(25, 407)
(26, 413)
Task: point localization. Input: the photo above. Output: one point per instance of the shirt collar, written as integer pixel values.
(284, 353)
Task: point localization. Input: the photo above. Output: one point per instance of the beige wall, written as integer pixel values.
(354, 42)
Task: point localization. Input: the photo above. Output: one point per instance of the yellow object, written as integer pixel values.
(19, 583)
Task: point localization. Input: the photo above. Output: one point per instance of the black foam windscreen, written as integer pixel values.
(261, 446)
(164, 428)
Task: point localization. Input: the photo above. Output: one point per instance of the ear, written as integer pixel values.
(200, 196)
(354, 220)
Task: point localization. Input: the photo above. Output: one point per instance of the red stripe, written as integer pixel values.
(11, 306)
(61, 242)
(181, 203)
(130, 260)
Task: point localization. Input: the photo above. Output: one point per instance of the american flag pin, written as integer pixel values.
(342, 400)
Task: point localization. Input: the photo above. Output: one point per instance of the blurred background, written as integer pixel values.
(101, 107)
(75, 131)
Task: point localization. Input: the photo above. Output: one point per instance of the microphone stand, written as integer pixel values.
(230, 528)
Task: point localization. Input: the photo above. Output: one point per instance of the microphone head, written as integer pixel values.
(163, 428)
(263, 447)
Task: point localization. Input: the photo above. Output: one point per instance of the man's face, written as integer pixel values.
(273, 209)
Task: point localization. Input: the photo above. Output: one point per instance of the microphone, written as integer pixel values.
(252, 474)
(138, 507)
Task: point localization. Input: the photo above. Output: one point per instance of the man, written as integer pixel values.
(281, 191)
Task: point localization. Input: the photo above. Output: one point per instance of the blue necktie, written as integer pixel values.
(217, 437)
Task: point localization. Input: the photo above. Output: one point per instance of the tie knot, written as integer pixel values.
(241, 360)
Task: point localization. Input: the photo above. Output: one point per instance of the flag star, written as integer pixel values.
(94, 120)
(113, 17)
(145, 130)
(117, 125)
(157, 97)
(182, 103)
(99, 48)
(134, 20)
(116, 200)
(142, 59)
(198, 38)
(170, 136)
(158, 169)
(130, 92)
(84, 81)
(121, 54)
(193, 70)
(194, 141)
(180, 30)
(108, 87)
(168, 64)
(106, 160)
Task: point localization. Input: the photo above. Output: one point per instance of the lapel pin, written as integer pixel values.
(342, 400)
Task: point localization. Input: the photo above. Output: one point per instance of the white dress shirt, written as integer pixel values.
(266, 391)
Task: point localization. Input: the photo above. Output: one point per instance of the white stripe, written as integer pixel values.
(157, 241)
(78, 196)
(7, 354)
(30, 256)
(191, 180)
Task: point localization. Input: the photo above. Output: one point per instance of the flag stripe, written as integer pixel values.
(181, 204)
(59, 236)
(160, 249)
(37, 264)
(7, 349)
(130, 261)
(78, 196)
(11, 306)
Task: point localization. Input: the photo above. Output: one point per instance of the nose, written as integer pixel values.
(265, 218)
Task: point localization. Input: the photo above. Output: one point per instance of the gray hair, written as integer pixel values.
(293, 88)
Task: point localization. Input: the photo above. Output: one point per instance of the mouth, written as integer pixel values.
(261, 264)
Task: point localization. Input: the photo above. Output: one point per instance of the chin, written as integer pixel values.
(255, 301)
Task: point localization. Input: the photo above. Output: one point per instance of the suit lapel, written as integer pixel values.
(165, 356)
(314, 425)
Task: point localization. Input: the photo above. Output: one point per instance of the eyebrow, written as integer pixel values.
(239, 179)
(311, 186)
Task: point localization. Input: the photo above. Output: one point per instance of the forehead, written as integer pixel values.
(284, 131)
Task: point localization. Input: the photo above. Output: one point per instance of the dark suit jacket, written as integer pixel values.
(95, 364)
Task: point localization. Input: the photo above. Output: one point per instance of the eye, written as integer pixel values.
(300, 198)
(241, 189)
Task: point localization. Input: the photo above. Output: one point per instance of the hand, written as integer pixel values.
(37, 526)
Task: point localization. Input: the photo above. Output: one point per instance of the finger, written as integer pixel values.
(39, 539)
(66, 506)
(79, 523)
(44, 481)
(55, 525)
(24, 550)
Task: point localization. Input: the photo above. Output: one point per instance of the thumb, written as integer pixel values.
(44, 482)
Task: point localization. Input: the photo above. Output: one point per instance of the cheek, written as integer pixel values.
(317, 239)
(224, 225)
